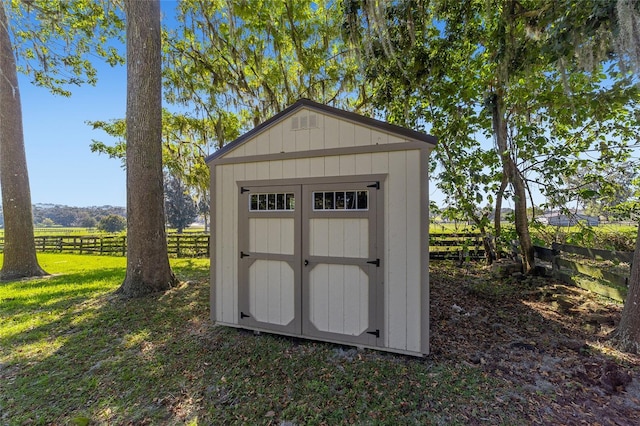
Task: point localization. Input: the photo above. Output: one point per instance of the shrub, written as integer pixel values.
(112, 223)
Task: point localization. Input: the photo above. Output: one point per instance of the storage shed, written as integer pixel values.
(319, 222)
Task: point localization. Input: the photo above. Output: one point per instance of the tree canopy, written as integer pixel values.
(477, 70)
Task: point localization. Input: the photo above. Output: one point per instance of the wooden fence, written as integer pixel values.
(178, 245)
(596, 270)
(600, 271)
(457, 246)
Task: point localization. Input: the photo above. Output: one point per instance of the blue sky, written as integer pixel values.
(62, 168)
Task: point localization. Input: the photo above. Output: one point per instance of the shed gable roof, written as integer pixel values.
(339, 113)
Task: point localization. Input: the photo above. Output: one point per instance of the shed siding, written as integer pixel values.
(402, 236)
(414, 240)
(226, 228)
(330, 132)
(396, 297)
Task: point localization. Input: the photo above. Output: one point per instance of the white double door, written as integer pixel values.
(310, 260)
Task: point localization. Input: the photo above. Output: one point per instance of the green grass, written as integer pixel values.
(72, 353)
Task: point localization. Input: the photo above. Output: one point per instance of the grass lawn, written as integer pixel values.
(72, 353)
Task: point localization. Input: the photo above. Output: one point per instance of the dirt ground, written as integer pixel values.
(545, 342)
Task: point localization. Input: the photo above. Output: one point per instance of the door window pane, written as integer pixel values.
(328, 200)
(340, 200)
(272, 202)
(363, 200)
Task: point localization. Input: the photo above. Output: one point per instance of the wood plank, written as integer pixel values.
(592, 271)
(604, 289)
(336, 237)
(287, 236)
(397, 252)
(250, 147)
(251, 171)
(274, 294)
(319, 298)
(303, 167)
(347, 133)
(274, 244)
(287, 293)
(303, 139)
(347, 165)
(363, 136)
(317, 135)
(262, 171)
(319, 237)
(364, 238)
(596, 254)
(353, 238)
(332, 166)
(413, 243)
(262, 143)
(316, 166)
(544, 253)
(260, 234)
(259, 290)
(331, 132)
(380, 163)
(336, 298)
(277, 138)
(379, 138)
(289, 169)
(275, 169)
(363, 164)
(356, 298)
(227, 252)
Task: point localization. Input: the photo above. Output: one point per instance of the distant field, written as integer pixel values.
(92, 231)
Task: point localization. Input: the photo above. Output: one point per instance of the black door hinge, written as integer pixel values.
(374, 185)
(243, 315)
(243, 255)
(375, 333)
(375, 262)
(243, 190)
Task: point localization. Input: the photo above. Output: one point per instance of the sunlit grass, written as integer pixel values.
(73, 353)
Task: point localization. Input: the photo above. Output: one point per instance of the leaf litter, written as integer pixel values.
(547, 343)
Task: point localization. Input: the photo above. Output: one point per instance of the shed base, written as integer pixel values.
(376, 348)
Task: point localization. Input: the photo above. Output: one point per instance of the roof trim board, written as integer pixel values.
(348, 115)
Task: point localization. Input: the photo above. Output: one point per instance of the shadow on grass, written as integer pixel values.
(158, 360)
(74, 349)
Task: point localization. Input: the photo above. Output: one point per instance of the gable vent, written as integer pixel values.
(304, 122)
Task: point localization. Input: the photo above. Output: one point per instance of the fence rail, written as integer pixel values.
(457, 246)
(441, 246)
(178, 245)
(600, 271)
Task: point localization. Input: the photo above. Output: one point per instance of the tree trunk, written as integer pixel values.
(19, 246)
(497, 220)
(628, 332)
(148, 268)
(513, 176)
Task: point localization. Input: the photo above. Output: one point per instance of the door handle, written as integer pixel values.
(306, 262)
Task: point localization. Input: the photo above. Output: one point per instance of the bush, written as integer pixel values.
(112, 223)
(602, 237)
